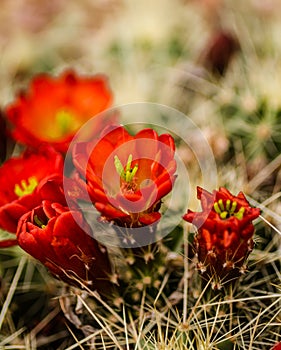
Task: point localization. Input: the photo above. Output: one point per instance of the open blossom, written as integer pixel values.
(53, 109)
(224, 237)
(60, 239)
(20, 177)
(128, 175)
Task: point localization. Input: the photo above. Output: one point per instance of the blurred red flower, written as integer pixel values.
(225, 234)
(277, 346)
(20, 178)
(218, 52)
(53, 109)
(128, 175)
(60, 239)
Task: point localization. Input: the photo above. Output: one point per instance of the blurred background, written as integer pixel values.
(145, 47)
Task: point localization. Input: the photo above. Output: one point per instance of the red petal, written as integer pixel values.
(207, 238)
(146, 144)
(189, 216)
(8, 243)
(109, 211)
(10, 215)
(98, 195)
(148, 219)
(168, 140)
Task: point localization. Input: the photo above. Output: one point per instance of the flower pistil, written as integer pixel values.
(227, 209)
(127, 174)
(66, 122)
(26, 187)
(38, 222)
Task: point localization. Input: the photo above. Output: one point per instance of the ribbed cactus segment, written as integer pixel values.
(144, 270)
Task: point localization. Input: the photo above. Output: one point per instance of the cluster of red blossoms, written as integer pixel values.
(125, 177)
(43, 121)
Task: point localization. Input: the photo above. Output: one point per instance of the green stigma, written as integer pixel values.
(65, 122)
(227, 209)
(128, 173)
(26, 187)
(38, 222)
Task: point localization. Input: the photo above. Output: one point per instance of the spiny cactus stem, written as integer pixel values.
(145, 266)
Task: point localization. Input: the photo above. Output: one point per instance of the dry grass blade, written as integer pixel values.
(264, 174)
(12, 337)
(102, 323)
(12, 289)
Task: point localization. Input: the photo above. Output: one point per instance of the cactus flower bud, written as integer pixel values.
(224, 235)
(60, 239)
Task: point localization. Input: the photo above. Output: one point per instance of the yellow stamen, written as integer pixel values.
(26, 187)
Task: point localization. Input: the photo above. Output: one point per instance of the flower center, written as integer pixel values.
(228, 209)
(128, 173)
(26, 187)
(65, 122)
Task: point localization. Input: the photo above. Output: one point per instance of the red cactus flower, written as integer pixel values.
(60, 239)
(53, 109)
(20, 177)
(128, 175)
(225, 234)
(276, 346)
